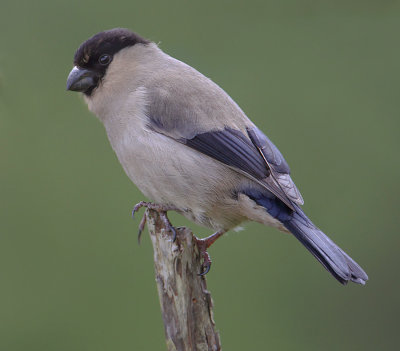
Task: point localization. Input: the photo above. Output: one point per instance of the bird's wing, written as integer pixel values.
(252, 155)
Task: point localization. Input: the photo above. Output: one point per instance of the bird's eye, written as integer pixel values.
(105, 59)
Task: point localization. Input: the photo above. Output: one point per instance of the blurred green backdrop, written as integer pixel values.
(321, 78)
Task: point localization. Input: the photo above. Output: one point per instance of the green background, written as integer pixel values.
(320, 78)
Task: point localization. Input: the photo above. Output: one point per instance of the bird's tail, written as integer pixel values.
(332, 257)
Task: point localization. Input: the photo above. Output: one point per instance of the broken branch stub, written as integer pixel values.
(186, 304)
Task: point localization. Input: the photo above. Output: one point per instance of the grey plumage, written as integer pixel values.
(184, 142)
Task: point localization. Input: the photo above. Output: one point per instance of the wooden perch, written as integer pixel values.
(186, 304)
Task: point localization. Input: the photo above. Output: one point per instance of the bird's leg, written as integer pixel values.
(161, 209)
(203, 245)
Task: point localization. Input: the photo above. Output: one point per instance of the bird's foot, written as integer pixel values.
(161, 209)
(203, 245)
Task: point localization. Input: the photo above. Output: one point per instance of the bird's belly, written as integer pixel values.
(168, 172)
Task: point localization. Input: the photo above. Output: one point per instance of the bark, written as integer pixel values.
(186, 304)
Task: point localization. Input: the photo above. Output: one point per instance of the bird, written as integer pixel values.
(188, 147)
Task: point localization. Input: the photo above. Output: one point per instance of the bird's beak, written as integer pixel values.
(82, 80)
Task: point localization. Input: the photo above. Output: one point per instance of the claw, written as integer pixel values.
(141, 227)
(206, 266)
(172, 229)
(205, 270)
(138, 206)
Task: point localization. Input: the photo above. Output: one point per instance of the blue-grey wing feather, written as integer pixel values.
(280, 171)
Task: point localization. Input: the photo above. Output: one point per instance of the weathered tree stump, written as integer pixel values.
(186, 304)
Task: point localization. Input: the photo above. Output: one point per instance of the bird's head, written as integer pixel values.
(94, 57)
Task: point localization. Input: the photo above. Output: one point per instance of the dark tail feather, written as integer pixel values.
(333, 258)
